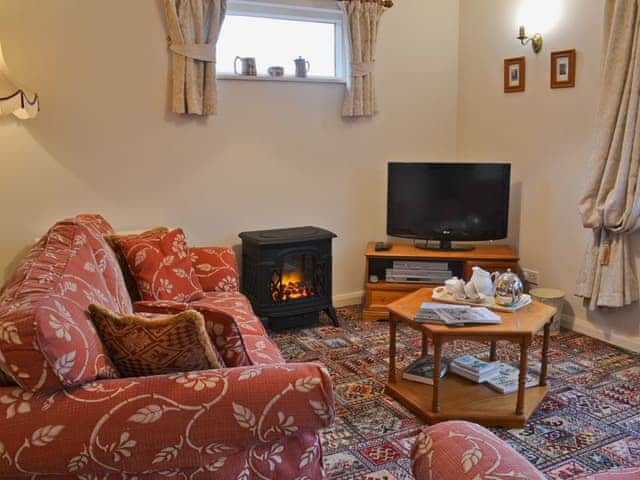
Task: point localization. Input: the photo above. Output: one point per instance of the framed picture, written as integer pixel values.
(514, 75)
(563, 69)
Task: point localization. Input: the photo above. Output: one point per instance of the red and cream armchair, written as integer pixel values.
(64, 413)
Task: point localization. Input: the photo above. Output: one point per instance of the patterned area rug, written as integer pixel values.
(589, 422)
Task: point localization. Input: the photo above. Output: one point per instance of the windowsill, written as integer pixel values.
(267, 78)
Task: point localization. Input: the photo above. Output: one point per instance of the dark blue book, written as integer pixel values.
(422, 370)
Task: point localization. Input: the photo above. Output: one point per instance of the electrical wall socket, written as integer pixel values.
(531, 276)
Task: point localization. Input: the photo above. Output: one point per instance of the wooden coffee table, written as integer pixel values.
(456, 398)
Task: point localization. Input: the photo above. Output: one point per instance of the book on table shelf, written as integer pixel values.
(474, 364)
(455, 315)
(474, 369)
(422, 370)
(472, 376)
(500, 376)
(506, 379)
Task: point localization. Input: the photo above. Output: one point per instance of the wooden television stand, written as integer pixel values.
(378, 295)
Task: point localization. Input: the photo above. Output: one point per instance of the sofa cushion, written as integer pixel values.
(236, 331)
(216, 268)
(112, 239)
(46, 340)
(151, 344)
(162, 267)
(246, 328)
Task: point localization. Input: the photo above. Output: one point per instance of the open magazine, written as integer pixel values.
(455, 315)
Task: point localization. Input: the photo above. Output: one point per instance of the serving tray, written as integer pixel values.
(488, 302)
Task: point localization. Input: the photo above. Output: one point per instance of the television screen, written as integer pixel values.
(448, 201)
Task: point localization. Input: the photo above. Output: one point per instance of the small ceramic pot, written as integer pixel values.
(455, 287)
(276, 71)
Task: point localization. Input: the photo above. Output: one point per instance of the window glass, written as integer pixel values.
(277, 42)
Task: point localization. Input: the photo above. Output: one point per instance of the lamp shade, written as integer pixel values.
(15, 100)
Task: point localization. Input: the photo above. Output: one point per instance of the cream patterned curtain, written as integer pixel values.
(363, 20)
(194, 26)
(610, 206)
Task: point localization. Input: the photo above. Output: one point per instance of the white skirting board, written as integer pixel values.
(346, 299)
(580, 325)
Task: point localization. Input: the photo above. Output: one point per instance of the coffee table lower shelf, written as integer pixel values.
(461, 399)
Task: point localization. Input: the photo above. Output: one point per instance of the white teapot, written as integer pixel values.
(483, 281)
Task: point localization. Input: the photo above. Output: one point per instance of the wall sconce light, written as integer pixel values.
(536, 40)
(14, 100)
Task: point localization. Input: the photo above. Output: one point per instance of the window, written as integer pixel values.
(275, 35)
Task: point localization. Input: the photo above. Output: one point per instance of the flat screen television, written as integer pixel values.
(448, 201)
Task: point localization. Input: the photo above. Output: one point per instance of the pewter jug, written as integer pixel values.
(508, 289)
(302, 67)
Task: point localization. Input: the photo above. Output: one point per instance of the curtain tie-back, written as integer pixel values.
(198, 51)
(362, 69)
(605, 247)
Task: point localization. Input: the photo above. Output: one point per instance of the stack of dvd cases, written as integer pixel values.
(405, 271)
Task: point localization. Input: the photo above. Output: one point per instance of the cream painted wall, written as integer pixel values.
(545, 133)
(279, 154)
(105, 141)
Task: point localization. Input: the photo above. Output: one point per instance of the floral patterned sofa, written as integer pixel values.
(465, 451)
(65, 414)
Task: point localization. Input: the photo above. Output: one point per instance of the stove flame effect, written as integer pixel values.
(293, 287)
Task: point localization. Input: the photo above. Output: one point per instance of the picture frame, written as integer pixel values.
(563, 69)
(514, 74)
